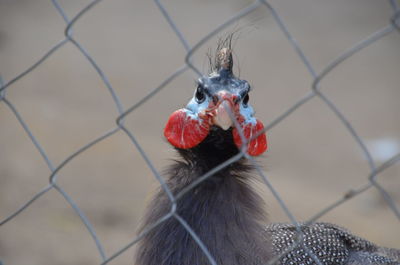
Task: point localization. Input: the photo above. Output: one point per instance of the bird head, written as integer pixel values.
(220, 100)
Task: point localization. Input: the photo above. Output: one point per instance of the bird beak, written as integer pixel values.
(222, 115)
(224, 110)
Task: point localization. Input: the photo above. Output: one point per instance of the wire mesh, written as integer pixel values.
(392, 27)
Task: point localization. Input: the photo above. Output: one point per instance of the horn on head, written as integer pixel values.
(224, 60)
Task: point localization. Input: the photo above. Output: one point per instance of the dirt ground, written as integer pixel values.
(312, 161)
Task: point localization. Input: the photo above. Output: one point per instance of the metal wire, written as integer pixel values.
(315, 92)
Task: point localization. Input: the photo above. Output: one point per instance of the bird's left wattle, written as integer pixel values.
(255, 146)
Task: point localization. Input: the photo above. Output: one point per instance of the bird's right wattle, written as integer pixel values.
(184, 131)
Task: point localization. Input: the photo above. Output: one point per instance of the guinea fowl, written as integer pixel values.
(223, 210)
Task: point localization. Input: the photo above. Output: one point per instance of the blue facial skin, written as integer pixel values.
(223, 80)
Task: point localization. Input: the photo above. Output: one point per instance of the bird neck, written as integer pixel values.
(222, 210)
(215, 149)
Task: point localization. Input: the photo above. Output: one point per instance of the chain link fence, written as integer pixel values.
(142, 103)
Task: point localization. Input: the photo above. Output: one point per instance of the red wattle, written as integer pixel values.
(183, 131)
(256, 146)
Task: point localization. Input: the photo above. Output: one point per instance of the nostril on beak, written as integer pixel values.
(236, 99)
(215, 99)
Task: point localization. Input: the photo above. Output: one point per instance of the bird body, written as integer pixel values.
(223, 210)
(330, 243)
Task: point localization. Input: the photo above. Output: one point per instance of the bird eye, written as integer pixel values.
(246, 100)
(200, 95)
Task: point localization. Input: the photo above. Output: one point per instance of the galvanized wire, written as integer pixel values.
(315, 92)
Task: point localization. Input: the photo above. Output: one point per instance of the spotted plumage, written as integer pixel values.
(331, 244)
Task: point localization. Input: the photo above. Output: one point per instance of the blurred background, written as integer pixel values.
(312, 160)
